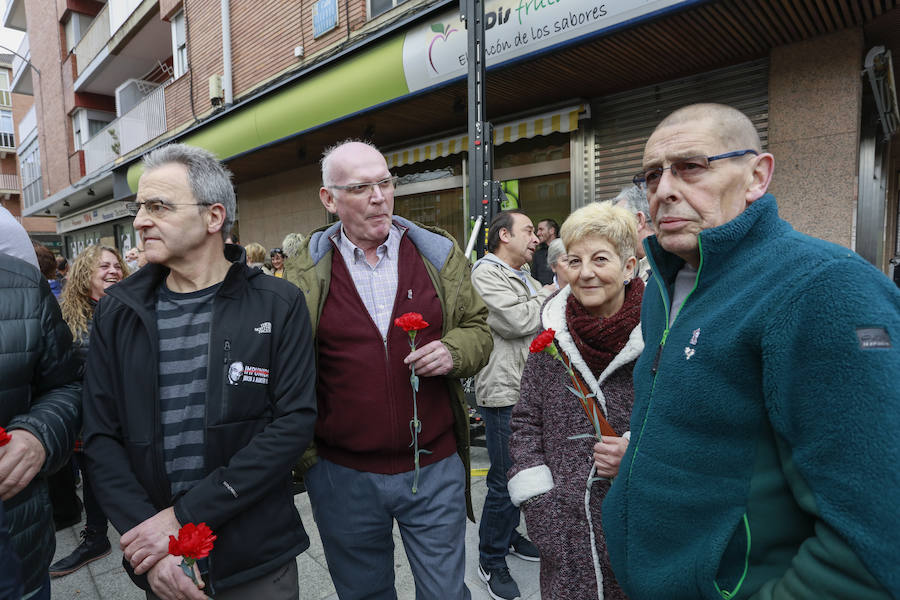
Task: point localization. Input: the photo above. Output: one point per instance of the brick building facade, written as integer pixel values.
(572, 109)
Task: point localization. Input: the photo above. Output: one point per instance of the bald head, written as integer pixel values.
(733, 128)
(337, 159)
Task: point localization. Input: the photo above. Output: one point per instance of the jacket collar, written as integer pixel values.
(140, 287)
(553, 316)
(719, 245)
(435, 247)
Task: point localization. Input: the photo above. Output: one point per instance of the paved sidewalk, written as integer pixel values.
(106, 580)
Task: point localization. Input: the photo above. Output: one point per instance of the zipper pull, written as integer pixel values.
(227, 351)
(656, 360)
(662, 343)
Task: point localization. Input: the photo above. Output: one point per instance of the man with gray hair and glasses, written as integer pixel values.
(199, 394)
(360, 274)
(634, 198)
(763, 456)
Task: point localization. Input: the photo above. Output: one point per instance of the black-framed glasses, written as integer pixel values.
(687, 169)
(362, 189)
(157, 208)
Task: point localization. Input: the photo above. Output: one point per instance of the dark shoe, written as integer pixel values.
(500, 583)
(93, 545)
(525, 549)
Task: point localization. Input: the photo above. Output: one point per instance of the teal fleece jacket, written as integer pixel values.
(764, 453)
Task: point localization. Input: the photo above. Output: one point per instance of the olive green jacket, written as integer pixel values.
(465, 331)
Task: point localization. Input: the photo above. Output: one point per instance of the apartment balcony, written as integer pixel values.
(22, 82)
(9, 183)
(126, 39)
(146, 121)
(14, 16)
(93, 41)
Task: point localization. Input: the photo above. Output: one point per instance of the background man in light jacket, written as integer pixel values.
(514, 300)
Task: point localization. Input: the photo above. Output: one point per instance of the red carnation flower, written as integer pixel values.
(544, 339)
(410, 322)
(193, 542)
(4, 437)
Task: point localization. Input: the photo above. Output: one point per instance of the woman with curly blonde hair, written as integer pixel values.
(94, 270)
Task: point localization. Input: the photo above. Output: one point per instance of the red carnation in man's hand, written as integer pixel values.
(193, 542)
(4, 437)
(410, 321)
(544, 339)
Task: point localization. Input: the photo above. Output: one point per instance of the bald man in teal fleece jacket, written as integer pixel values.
(763, 457)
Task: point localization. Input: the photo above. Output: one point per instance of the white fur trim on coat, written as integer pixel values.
(554, 316)
(528, 483)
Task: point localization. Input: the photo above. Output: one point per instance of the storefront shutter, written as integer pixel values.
(623, 122)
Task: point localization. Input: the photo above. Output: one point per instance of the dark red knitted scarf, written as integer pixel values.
(600, 340)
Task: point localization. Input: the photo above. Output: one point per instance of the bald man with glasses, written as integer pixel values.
(359, 275)
(763, 458)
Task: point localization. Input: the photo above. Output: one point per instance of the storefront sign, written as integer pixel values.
(101, 214)
(436, 51)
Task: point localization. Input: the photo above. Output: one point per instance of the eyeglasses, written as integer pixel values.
(157, 208)
(275, 251)
(688, 170)
(363, 189)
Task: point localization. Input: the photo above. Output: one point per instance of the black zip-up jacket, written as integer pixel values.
(40, 392)
(256, 427)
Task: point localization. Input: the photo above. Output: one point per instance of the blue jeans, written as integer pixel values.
(355, 514)
(500, 517)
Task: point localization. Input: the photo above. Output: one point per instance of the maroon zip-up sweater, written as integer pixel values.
(364, 393)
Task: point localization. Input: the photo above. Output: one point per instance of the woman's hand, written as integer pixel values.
(608, 454)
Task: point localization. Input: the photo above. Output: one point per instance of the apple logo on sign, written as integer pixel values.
(443, 32)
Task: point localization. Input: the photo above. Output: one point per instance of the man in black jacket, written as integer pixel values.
(40, 407)
(199, 394)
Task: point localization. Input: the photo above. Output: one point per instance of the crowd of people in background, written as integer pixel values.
(682, 396)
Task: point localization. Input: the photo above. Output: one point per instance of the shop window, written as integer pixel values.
(538, 149)
(442, 209)
(546, 197)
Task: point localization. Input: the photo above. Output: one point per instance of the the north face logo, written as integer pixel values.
(265, 327)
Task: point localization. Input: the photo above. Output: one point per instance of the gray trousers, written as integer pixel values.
(280, 584)
(355, 513)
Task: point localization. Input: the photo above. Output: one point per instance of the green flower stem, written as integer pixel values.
(415, 426)
(187, 566)
(595, 421)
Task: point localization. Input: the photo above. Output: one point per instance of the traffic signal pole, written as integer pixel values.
(484, 193)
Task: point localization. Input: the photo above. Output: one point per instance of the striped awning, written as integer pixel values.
(561, 120)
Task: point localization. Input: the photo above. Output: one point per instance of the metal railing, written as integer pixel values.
(94, 40)
(9, 182)
(135, 128)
